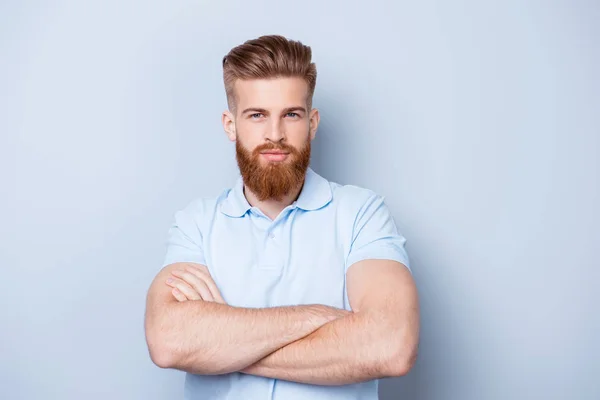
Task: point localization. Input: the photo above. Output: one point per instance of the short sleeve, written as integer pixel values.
(375, 235)
(184, 239)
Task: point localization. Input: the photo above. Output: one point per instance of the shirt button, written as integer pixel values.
(271, 236)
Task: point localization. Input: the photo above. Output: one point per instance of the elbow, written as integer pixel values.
(169, 356)
(161, 354)
(166, 358)
(162, 357)
(400, 362)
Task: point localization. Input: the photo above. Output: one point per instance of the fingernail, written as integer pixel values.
(170, 280)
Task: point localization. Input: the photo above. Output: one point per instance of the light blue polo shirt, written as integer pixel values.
(301, 257)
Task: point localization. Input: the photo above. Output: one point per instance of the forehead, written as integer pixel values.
(271, 93)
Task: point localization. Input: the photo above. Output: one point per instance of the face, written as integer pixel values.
(272, 129)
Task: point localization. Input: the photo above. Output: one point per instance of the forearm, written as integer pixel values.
(344, 351)
(211, 338)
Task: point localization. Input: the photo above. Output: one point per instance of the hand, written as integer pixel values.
(325, 314)
(192, 282)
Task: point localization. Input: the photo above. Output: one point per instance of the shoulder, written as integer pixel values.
(352, 198)
(201, 208)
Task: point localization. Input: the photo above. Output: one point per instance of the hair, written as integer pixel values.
(268, 57)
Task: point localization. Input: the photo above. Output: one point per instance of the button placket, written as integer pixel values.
(272, 253)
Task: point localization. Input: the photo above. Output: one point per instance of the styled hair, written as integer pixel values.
(268, 57)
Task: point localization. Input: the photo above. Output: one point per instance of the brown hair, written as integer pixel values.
(268, 57)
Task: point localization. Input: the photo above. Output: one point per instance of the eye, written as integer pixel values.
(292, 114)
(255, 115)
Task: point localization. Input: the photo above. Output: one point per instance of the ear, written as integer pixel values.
(229, 124)
(313, 122)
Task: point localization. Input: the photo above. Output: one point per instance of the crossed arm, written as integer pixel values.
(194, 330)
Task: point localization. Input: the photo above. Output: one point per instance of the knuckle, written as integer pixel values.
(192, 271)
(203, 270)
(199, 271)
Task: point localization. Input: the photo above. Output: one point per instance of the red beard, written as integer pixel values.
(275, 179)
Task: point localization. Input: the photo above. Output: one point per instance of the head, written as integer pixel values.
(269, 84)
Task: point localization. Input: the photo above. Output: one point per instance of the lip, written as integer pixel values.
(275, 155)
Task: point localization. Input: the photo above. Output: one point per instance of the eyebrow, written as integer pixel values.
(264, 111)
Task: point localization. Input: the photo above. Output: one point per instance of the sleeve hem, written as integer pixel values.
(379, 254)
(182, 259)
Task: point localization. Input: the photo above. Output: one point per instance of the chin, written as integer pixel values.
(269, 163)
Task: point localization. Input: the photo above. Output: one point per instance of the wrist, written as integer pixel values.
(320, 315)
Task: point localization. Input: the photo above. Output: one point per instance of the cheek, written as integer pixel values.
(246, 140)
(250, 134)
(298, 133)
(300, 141)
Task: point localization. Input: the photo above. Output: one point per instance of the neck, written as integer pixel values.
(271, 207)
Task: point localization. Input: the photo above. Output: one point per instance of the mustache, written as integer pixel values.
(272, 146)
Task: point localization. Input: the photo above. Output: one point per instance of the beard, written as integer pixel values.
(272, 180)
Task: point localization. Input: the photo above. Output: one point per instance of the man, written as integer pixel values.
(286, 286)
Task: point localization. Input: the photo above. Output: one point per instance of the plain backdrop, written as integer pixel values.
(478, 121)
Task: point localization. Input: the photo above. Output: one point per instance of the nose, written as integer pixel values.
(275, 132)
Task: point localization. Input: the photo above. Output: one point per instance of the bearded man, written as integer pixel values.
(286, 286)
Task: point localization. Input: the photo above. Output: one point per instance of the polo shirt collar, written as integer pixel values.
(315, 194)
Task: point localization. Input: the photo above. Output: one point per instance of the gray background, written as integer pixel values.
(478, 121)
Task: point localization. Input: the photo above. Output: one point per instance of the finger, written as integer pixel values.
(202, 272)
(184, 288)
(207, 278)
(176, 292)
(199, 267)
(197, 283)
(178, 295)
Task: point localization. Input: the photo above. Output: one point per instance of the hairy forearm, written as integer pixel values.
(348, 350)
(211, 338)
